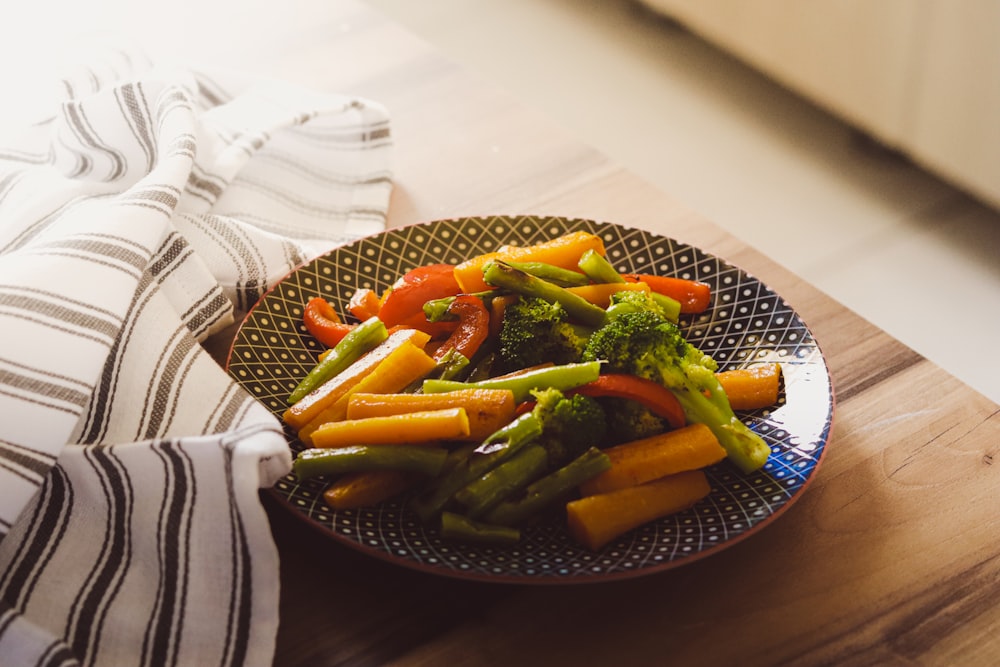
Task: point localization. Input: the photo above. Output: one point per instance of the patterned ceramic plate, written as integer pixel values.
(747, 323)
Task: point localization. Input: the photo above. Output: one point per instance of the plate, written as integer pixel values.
(748, 322)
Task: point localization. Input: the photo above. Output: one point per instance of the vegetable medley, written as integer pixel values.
(520, 383)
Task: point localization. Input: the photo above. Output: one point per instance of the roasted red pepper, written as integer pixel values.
(322, 321)
(364, 304)
(694, 296)
(660, 400)
(473, 326)
(407, 295)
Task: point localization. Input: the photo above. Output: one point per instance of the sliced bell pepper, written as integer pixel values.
(657, 398)
(364, 304)
(694, 296)
(473, 326)
(406, 296)
(322, 321)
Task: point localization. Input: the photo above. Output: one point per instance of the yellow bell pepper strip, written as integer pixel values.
(406, 297)
(323, 322)
(694, 296)
(359, 340)
(657, 398)
(473, 326)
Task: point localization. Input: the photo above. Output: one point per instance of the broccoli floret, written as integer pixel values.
(631, 301)
(535, 331)
(647, 345)
(570, 424)
(630, 420)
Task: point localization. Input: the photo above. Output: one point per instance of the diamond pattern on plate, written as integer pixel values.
(748, 322)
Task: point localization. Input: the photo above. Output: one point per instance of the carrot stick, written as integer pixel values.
(594, 521)
(694, 296)
(407, 363)
(363, 489)
(487, 409)
(753, 387)
(414, 427)
(563, 251)
(641, 461)
(306, 409)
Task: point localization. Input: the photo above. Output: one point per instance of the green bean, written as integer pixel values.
(501, 274)
(463, 529)
(598, 268)
(359, 458)
(359, 340)
(563, 377)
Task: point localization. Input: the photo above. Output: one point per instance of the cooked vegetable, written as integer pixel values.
(473, 326)
(364, 303)
(326, 394)
(404, 301)
(640, 461)
(564, 377)
(323, 322)
(596, 520)
(413, 428)
(487, 409)
(403, 365)
(753, 387)
(361, 339)
(552, 273)
(599, 294)
(694, 296)
(499, 274)
(535, 331)
(570, 424)
(545, 492)
(486, 492)
(370, 487)
(659, 400)
(649, 346)
(598, 268)
(563, 251)
(462, 528)
(340, 460)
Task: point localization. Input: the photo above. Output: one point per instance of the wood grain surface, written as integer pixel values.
(891, 557)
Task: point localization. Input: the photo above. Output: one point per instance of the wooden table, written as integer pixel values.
(891, 557)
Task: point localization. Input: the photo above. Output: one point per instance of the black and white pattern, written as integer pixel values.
(147, 212)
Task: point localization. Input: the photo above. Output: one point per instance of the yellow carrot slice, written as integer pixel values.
(364, 489)
(753, 387)
(406, 364)
(414, 427)
(594, 521)
(487, 409)
(563, 251)
(599, 294)
(641, 461)
(329, 392)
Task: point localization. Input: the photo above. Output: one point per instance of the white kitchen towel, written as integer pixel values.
(150, 209)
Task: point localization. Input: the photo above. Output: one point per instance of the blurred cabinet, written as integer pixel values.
(921, 76)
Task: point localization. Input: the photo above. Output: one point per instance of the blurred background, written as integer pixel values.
(856, 143)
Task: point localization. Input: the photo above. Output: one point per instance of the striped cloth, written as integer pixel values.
(143, 216)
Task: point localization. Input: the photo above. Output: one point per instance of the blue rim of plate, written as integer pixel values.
(747, 322)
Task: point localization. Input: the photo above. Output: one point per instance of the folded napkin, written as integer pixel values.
(147, 212)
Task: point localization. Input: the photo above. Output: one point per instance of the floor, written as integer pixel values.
(897, 245)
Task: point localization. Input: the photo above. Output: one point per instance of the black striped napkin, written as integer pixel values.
(145, 214)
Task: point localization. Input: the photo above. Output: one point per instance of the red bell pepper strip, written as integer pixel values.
(322, 321)
(473, 326)
(657, 398)
(407, 295)
(694, 296)
(364, 304)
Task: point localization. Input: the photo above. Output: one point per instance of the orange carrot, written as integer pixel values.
(694, 296)
(413, 427)
(487, 409)
(563, 251)
(329, 392)
(406, 364)
(594, 521)
(753, 387)
(363, 489)
(641, 461)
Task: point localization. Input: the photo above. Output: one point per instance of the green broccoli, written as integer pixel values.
(630, 301)
(630, 420)
(645, 344)
(570, 424)
(535, 331)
